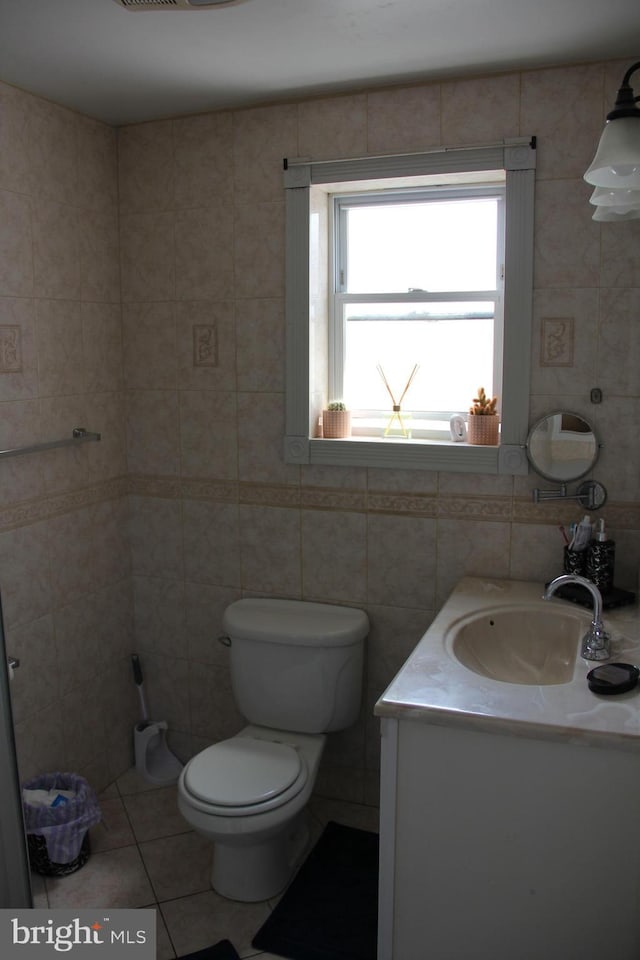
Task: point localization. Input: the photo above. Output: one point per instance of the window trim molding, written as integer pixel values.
(517, 158)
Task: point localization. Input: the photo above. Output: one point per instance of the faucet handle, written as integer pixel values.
(596, 644)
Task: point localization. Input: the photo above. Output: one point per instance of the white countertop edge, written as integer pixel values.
(432, 687)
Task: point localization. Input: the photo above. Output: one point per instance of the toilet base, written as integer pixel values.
(250, 872)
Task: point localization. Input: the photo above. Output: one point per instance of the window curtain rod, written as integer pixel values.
(288, 163)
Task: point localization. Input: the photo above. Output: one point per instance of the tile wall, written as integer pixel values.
(65, 575)
(214, 511)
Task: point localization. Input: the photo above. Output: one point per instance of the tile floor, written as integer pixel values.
(144, 855)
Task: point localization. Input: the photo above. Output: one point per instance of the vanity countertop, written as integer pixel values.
(433, 687)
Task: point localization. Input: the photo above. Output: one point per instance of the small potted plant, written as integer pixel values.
(336, 421)
(482, 425)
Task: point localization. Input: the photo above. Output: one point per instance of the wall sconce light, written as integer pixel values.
(615, 170)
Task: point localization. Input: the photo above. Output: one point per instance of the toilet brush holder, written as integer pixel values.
(154, 760)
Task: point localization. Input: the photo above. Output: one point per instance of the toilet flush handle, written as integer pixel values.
(224, 640)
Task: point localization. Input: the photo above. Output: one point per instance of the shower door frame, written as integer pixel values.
(15, 878)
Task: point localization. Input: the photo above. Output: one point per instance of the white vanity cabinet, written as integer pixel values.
(498, 847)
(509, 813)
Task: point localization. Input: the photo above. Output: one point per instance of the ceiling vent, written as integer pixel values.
(174, 4)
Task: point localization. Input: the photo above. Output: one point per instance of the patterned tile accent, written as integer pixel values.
(556, 348)
(10, 349)
(205, 345)
(33, 511)
(619, 515)
(403, 503)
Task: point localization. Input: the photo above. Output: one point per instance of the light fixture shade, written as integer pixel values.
(617, 160)
(612, 215)
(621, 200)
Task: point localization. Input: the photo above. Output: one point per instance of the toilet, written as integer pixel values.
(296, 675)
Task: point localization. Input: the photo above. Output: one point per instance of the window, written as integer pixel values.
(416, 306)
(348, 300)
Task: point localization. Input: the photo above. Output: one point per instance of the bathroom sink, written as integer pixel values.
(529, 643)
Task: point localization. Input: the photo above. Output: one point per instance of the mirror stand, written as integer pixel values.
(591, 494)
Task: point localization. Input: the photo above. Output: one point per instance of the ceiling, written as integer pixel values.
(122, 66)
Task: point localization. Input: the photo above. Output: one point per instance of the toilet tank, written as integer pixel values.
(296, 665)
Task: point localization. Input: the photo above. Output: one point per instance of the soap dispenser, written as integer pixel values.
(601, 556)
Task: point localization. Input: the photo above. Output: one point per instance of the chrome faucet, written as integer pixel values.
(596, 643)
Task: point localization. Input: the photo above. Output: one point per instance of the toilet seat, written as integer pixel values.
(244, 776)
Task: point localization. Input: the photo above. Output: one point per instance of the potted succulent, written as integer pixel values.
(482, 424)
(336, 420)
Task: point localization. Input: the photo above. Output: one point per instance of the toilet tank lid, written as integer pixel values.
(311, 624)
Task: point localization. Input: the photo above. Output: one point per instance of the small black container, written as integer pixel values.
(601, 560)
(575, 561)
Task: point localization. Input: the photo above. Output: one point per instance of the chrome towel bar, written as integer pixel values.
(78, 435)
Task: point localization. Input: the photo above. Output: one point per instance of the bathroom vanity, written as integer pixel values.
(510, 808)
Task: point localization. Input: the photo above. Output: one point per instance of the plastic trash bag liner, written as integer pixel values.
(65, 823)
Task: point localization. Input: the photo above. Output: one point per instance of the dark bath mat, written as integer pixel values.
(220, 951)
(330, 911)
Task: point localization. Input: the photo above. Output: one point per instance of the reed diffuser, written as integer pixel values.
(398, 420)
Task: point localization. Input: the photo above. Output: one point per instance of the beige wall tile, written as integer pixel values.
(334, 556)
(53, 165)
(204, 259)
(262, 138)
(401, 561)
(270, 550)
(478, 111)
(146, 167)
(15, 107)
(211, 543)
(208, 434)
(567, 241)
(153, 437)
(203, 159)
(261, 345)
(562, 109)
(16, 252)
(102, 347)
(147, 256)
(259, 250)
(56, 250)
(149, 346)
(403, 119)
(155, 537)
(59, 341)
(333, 127)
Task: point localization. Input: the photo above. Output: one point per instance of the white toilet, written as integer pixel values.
(296, 674)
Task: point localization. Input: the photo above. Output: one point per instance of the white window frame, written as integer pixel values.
(307, 294)
(370, 422)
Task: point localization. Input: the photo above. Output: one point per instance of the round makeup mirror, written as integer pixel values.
(562, 446)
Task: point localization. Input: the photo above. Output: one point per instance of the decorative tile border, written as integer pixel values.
(332, 498)
(619, 516)
(475, 508)
(46, 508)
(269, 495)
(406, 504)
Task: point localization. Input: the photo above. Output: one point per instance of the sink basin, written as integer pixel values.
(530, 643)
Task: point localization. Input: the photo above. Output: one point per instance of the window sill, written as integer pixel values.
(402, 454)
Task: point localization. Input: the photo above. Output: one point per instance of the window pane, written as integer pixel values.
(434, 246)
(454, 353)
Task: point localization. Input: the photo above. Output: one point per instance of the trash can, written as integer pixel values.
(59, 808)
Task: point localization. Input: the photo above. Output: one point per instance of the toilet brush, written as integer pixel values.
(137, 676)
(154, 760)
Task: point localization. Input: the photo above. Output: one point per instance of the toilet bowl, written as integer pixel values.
(248, 794)
(296, 675)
